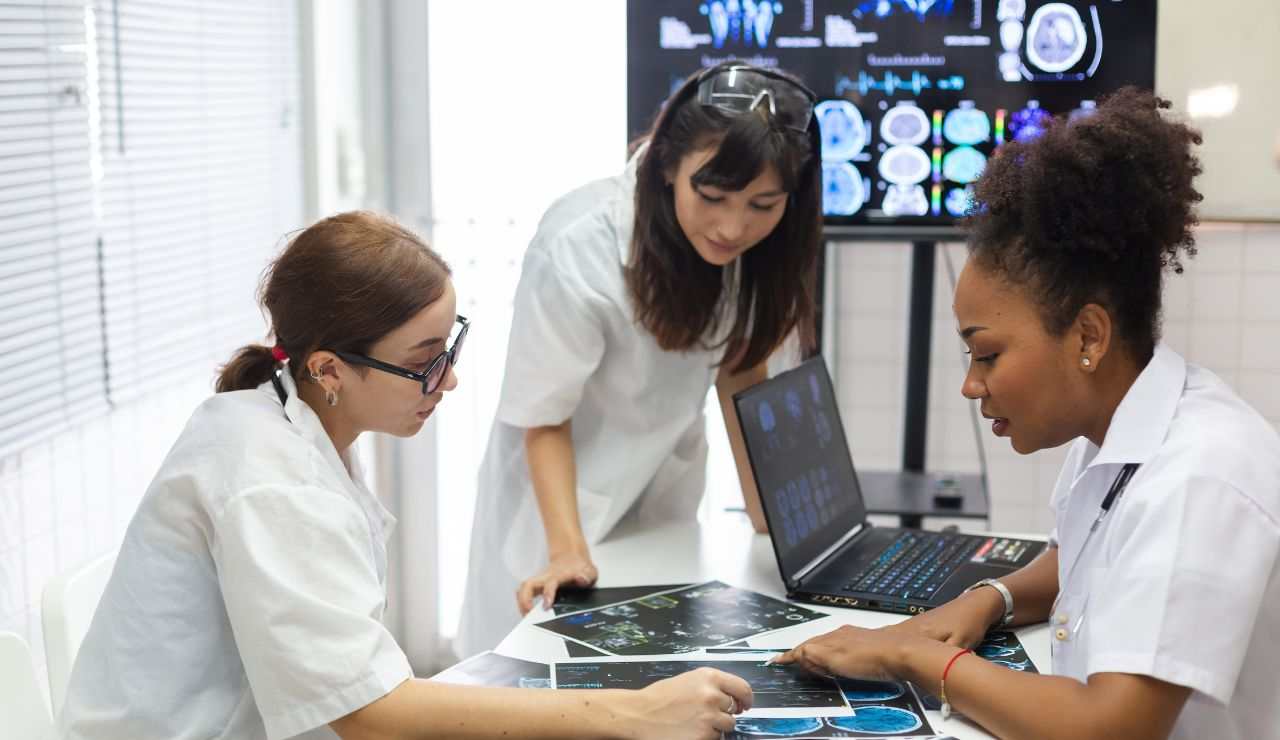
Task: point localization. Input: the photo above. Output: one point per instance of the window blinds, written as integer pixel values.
(201, 177)
(51, 347)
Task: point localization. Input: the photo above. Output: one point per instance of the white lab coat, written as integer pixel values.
(247, 596)
(1181, 581)
(577, 353)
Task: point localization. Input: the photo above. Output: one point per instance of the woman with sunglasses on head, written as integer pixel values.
(638, 293)
(247, 598)
(1161, 584)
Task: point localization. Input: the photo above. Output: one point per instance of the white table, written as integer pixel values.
(727, 550)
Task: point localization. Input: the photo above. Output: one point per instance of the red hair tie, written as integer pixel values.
(279, 354)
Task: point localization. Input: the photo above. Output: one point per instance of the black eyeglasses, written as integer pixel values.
(436, 370)
(739, 89)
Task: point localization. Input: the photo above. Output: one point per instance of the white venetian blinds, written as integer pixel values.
(51, 349)
(201, 177)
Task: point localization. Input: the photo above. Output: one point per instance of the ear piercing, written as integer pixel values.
(1086, 362)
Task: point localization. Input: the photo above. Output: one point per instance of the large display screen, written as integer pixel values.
(916, 94)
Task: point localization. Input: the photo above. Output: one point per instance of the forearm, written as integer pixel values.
(427, 709)
(549, 451)
(1015, 706)
(1034, 588)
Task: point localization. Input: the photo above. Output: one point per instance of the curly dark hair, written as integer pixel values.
(1093, 211)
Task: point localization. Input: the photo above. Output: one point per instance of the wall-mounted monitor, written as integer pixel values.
(916, 94)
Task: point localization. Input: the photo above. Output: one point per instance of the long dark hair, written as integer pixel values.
(676, 294)
(343, 283)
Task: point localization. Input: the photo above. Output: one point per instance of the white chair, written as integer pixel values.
(22, 704)
(66, 611)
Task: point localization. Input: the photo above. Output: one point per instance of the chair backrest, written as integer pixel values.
(66, 611)
(22, 703)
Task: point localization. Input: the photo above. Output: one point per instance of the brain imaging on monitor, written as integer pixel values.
(916, 95)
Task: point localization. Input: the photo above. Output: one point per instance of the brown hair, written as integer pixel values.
(676, 294)
(341, 284)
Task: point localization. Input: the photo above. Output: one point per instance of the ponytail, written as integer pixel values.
(251, 366)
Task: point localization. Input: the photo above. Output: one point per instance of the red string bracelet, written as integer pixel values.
(942, 685)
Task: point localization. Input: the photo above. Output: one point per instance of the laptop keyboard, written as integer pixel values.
(915, 565)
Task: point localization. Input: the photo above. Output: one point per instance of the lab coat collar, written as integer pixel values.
(308, 424)
(1141, 421)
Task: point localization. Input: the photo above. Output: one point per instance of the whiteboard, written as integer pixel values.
(1215, 51)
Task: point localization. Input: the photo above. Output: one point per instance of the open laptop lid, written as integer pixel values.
(803, 470)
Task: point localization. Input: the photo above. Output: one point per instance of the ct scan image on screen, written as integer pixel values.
(916, 95)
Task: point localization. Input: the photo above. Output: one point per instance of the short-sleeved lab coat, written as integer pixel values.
(1181, 580)
(247, 598)
(577, 353)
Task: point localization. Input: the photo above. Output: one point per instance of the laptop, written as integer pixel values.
(827, 551)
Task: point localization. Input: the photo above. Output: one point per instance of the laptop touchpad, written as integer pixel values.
(965, 576)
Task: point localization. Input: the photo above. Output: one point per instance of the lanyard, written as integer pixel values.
(275, 380)
(1060, 619)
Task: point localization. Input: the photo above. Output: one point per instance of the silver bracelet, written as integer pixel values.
(1004, 594)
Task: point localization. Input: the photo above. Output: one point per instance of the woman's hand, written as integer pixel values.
(573, 568)
(962, 622)
(853, 652)
(698, 705)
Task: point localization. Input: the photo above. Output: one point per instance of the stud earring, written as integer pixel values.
(331, 397)
(1086, 362)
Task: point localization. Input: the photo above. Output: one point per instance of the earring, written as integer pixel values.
(1086, 362)
(315, 376)
(331, 397)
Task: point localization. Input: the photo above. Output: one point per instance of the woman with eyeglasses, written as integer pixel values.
(247, 598)
(638, 293)
(1161, 584)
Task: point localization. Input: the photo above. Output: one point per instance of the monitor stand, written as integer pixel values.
(913, 493)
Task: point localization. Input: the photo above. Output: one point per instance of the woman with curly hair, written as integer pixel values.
(1161, 583)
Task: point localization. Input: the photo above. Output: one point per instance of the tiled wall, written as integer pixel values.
(1222, 313)
(68, 499)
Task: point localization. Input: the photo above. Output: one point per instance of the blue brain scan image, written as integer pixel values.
(842, 128)
(904, 124)
(966, 126)
(963, 164)
(778, 727)
(905, 200)
(795, 406)
(905, 165)
(1027, 124)
(864, 691)
(878, 720)
(767, 421)
(1056, 37)
(958, 202)
(843, 191)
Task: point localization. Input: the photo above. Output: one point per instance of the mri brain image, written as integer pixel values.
(843, 192)
(905, 200)
(879, 720)
(1056, 37)
(963, 164)
(864, 691)
(844, 132)
(904, 124)
(958, 201)
(778, 727)
(966, 126)
(904, 165)
(1028, 123)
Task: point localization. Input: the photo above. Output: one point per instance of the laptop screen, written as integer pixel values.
(801, 462)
